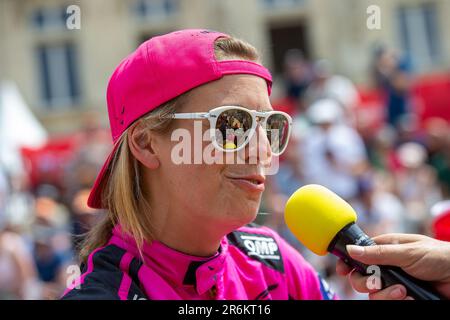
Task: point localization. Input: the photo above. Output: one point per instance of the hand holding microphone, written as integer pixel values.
(419, 256)
(324, 223)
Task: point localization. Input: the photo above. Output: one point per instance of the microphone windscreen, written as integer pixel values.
(314, 214)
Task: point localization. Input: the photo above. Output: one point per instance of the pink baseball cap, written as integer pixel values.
(158, 71)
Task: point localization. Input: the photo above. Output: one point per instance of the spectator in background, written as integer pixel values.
(19, 207)
(48, 208)
(417, 185)
(438, 148)
(93, 144)
(327, 85)
(384, 63)
(49, 264)
(391, 76)
(297, 75)
(440, 222)
(18, 277)
(409, 130)
(4, 195)
(380, 149)
(83, 217)
(334, 153)
(379, 208)
(52, 245)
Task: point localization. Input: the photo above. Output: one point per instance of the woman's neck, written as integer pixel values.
(184, 232)
(191, 242)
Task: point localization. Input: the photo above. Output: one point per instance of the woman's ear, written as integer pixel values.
(140, 143)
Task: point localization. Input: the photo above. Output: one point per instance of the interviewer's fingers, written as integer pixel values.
(342, 268)
(397, 292)
(397, 238)
(389, 254)
(360, 284)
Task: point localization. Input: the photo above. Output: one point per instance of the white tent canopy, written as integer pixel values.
(18, 127)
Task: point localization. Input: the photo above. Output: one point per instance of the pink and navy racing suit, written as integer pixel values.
(252, 263)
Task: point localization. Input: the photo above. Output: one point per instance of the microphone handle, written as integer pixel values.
(389, 275)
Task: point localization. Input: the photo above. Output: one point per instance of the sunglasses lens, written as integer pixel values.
(278, 132)
(233, 128)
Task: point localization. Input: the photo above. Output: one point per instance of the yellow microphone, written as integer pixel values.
(315, 215)
(325, 223)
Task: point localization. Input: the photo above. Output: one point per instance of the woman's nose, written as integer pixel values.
(258, 150)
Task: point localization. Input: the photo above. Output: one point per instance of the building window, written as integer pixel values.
(59, 84)
(47, 18)
(55, 57)
(419, 35)
(155, 9)
(285, 38)
(270, 4)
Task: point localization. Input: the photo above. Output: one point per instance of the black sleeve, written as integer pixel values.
(92, 292)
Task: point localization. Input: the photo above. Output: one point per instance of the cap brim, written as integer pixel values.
(95, 197)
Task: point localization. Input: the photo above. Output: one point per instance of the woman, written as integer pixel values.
(180, 231)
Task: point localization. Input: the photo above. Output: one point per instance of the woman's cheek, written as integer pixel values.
(205, 181)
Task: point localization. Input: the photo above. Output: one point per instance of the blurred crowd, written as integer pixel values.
(391, 175)
(41, 224)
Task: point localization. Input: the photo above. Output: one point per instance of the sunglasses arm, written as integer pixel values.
(195, 115)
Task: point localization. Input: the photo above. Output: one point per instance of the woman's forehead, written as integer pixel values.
(246, 91)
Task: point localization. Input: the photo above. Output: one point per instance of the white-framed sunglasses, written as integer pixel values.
(232, 127)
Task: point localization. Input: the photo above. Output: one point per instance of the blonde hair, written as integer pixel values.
(123, 175)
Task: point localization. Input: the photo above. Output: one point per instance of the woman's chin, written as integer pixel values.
(238, 219)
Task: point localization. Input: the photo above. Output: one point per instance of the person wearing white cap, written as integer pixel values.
(334, 151)
(325, 111)
(328, 85)
(417, 184)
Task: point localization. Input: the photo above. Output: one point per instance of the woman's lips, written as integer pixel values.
(249, 183)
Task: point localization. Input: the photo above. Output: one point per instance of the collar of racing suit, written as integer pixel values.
(176, 267)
